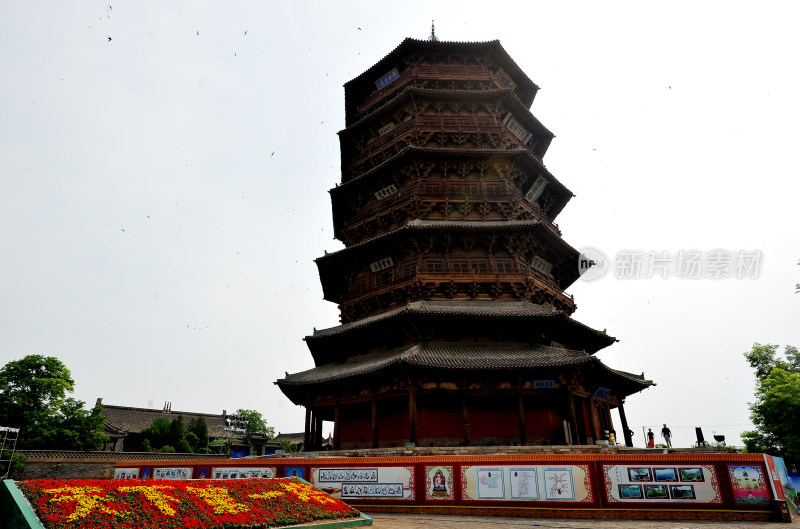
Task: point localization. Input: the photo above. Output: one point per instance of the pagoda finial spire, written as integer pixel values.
(433, 37)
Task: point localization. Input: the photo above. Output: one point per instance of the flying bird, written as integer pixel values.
(245, 32)
(198, 33)
(109, 39)
(359, 29)
(110, 8)
(273, 154)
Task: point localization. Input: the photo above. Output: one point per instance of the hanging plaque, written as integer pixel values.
(516, 128)
(388, 78)
(541, 265)
(386, 128)
(536, 189)
(383, 264)
(380, 194)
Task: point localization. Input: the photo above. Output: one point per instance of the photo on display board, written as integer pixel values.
(640, 474)
(691, 474)
(665, 474)
(682, 492)
(656, 492)
(630, 492)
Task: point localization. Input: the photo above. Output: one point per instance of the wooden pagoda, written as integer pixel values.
(455, 327)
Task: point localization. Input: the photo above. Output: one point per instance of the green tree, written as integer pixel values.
(33, 397)
(157, 434)
(289, 446)
(253, 422)
(173, 435)
(199, 429)
(774, 413)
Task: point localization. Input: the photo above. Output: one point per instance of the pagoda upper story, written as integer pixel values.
(444, 194)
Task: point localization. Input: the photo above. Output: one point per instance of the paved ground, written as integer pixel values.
(431, 521)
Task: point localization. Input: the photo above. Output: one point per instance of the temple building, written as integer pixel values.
(455, 325)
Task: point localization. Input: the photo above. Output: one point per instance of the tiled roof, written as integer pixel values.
(447, 308)
(452, 356)
(295, 438)
(458, 225)
(458, 357)
(131, 420)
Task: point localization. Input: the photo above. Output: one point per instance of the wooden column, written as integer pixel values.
(625, 430)
(317, 432)
(523, 434)
(307, 434)
(337, 428)
(312, 436)
(374, 422)
(412, 414)
(465, 419)
(574, 418)
(595, 420)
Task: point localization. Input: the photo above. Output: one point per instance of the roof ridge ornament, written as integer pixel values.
(433, 37)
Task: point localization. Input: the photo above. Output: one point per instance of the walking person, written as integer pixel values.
(651, 438)
(667, 435)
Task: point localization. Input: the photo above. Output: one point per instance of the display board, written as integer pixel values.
(243, 472)
(526, 482)
(643, 483)
(749, 486)
(126, 473)
(172, 473)
(386, 483)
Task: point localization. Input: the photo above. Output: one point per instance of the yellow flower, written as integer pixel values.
(306, 492)
(267, 495)
(85, 501)
(155, 496)
(219, 499)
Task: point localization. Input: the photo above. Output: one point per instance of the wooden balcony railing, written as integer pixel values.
(430, 72)
(487, 275)
(432, 124)
(392, 202)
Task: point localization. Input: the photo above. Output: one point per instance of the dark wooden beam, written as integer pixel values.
(317, 431)
(465, 419)
(626, 432)
(579, 439)
(523, 434)
(337, 428)
(374, 422)
(307, 434)
(412, 414)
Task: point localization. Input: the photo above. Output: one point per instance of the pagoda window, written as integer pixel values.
(433, 188)
(360, 287)
(478, 266)
(469, 190)
(503, 265)
(461, 267)
(434, 265)
(494, 189)
(384, 277)
(409, 269)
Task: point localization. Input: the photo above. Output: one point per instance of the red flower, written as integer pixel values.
(159, 504)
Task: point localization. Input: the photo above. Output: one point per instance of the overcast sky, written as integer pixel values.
(165, 167)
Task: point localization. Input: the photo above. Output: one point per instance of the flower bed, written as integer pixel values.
(160, 504)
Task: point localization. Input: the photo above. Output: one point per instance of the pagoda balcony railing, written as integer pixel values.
(398, 199)
(431, 72)
(485, 275)
(469, 124)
